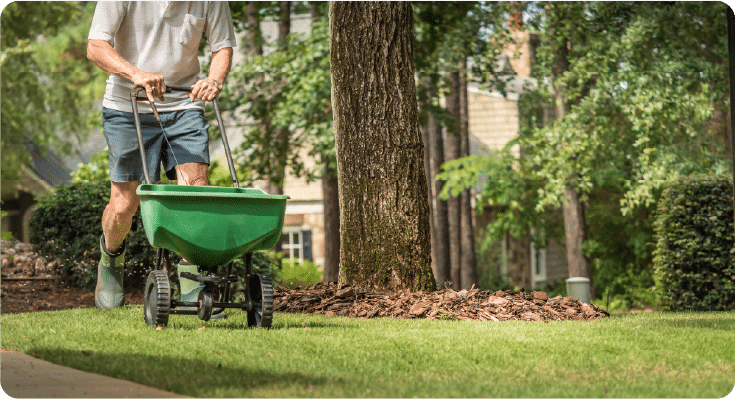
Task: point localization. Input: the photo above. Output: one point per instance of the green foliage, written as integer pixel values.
(288, 92)
(66, 225)
(694, 257)
(299, 274)
(97, 169)
(641, 106)
(48, 84)
(6, 235)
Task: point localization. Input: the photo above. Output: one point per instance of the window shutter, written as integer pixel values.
(307, 244)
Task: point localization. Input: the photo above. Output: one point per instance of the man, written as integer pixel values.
(154, 44)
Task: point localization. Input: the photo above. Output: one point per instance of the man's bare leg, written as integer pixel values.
(116, 222)
(192, 174)
(117, 218)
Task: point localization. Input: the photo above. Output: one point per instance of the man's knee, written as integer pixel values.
(123, 199)
(192, 174)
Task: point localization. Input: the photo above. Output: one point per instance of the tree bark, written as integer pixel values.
(452, 151)
(384, 216)
(253, 29)
(427, 87)
(331, 202)
(468, 263)
(441, 228)
(284, 23)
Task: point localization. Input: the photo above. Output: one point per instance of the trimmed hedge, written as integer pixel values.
(694, 255)
(67, 225)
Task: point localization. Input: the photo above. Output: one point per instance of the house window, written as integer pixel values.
(538, 265)
(297, 244)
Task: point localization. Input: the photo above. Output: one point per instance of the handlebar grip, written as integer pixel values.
(169, 89)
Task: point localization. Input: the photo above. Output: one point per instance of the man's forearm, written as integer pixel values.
(221, 62)
(102, 54)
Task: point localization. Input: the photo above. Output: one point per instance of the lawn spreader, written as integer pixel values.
(209, 227)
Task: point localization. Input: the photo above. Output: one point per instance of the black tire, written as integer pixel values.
(204, 310)
(157, 299)
(261, 295)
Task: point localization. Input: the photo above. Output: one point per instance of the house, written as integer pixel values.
(46, 171)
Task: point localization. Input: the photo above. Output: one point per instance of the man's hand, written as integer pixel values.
(205, 90)
(104, 56)
(154, 84)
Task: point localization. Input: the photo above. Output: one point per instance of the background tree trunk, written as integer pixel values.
(452, 151)
(384, 216)
(573, 211)
(253, 29)
(331, 202)
(468, 264)
(442, 250)
(428, 90)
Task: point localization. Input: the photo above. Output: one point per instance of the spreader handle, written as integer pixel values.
(169, 89)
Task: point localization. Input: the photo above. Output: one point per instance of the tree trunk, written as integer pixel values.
(331, 202)
(427, 88)
(468, 264)
(452, 151)
(441, 228)
(284, 23)
(575, 234)
(253, 29)
(578, 265)
(384, 216)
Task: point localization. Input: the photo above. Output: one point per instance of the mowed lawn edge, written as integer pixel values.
(633, 355)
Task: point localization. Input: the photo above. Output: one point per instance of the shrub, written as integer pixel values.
(6, 235)
(294, 274)
(67, 225)
(694, 256)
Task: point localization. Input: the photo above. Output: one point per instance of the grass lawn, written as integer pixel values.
(636, 355)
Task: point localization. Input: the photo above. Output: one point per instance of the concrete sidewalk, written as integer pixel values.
(24, 376)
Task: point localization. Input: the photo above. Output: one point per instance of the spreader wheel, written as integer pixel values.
(261, 297)
(157, 299)
(205, 305)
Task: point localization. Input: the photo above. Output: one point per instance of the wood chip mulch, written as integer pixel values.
(475, 304)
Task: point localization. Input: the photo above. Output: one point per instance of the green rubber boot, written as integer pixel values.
(190, 289)
(109, 289)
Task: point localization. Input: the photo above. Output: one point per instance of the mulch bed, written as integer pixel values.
(475, 304)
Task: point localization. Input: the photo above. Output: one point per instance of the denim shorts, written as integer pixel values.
(185, 140)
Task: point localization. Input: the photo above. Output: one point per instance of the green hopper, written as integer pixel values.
(211, 226)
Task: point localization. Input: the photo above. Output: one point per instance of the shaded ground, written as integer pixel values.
(29, 284)
(20, 296)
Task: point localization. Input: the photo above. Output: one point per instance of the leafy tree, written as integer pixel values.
(47, 83)
(639, 92)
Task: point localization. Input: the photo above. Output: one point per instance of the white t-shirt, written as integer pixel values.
(160, 37)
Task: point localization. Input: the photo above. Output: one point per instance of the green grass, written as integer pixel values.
(638, 355)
